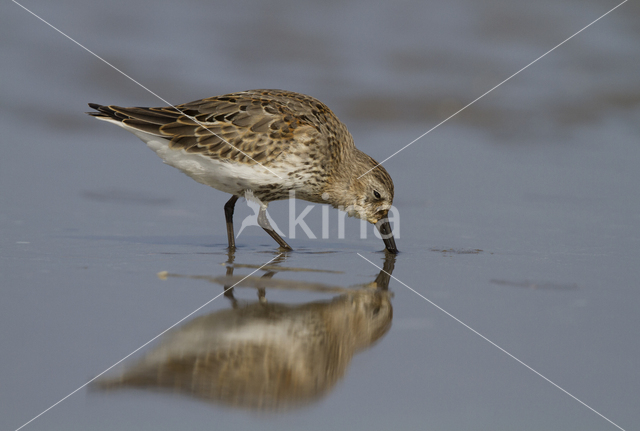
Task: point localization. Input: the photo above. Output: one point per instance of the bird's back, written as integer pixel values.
(270, 141)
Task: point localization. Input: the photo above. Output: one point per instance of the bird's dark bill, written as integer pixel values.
(387, 236)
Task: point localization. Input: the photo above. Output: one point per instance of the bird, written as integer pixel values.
(275, 144)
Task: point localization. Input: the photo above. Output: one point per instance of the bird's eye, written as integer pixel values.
(376, 194)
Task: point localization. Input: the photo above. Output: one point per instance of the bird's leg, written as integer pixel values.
(228, 215)
(264, 224)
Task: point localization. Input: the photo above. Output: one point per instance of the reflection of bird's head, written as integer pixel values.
(370, 316)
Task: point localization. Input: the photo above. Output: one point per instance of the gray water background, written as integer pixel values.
(520, 216)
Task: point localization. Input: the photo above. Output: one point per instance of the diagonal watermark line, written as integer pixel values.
(129, 77)
(151, 340)
(490, 90)
(495, 345)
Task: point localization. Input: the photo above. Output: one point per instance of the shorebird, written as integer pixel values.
(273, 143)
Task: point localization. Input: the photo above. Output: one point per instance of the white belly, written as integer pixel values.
(229, 177)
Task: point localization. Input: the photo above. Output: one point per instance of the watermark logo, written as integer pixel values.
(298, 219)
(252, 220)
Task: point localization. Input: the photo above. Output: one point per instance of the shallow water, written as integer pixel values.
(519, 217)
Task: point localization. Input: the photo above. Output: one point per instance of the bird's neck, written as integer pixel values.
(342, 187)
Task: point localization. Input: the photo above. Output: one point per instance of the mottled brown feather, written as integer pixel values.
(263, 123)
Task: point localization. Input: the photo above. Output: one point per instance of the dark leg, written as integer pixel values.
(228, 215)
(264, 223)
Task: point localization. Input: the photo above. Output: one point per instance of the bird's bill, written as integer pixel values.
(387, 236)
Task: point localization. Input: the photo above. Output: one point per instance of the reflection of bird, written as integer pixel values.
(269, 141)
(252, 220)
(264, 356)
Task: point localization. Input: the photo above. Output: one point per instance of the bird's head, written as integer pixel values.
(369, 196)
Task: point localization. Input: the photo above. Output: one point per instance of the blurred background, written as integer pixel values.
(520, 215)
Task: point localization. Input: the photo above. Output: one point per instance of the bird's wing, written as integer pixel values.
(245, 127)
